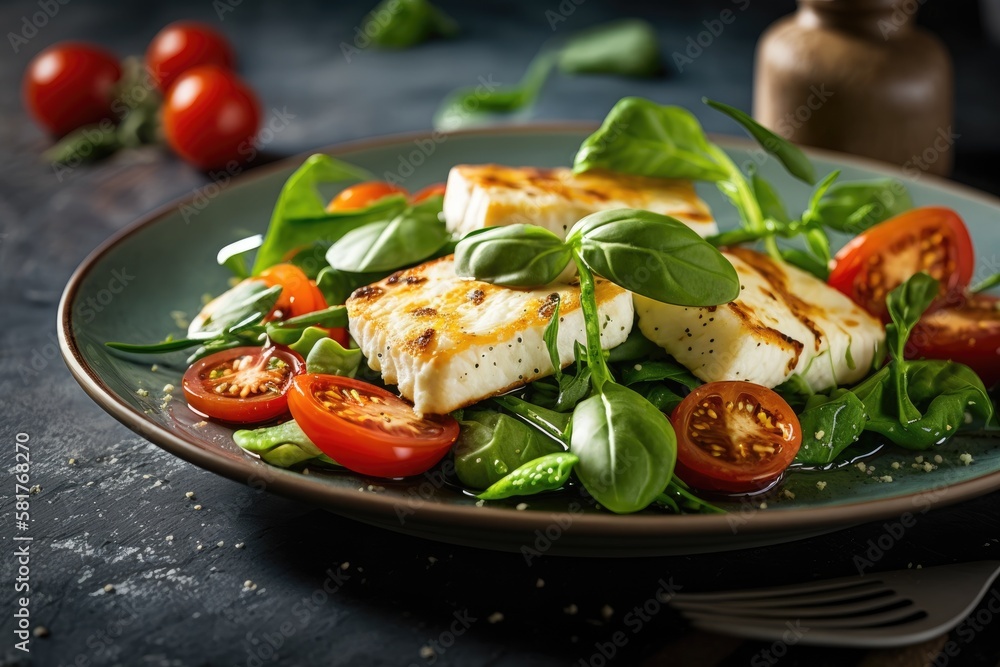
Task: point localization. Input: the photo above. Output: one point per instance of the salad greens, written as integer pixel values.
(284, 445)
(400, 24)
(626, 47)
(413, 235)
(492, 444)
(546, 473)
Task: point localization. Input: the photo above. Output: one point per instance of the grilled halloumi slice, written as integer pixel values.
(448, 342)
(785, 322)
(490, 195)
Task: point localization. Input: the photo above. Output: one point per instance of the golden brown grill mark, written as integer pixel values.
(424, 339)
(548, 306)
(770, 334)
(779, 283)
(476, 296)
(425, 312)
(368, 292)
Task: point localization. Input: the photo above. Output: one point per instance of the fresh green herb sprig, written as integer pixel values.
(401, 24)
(627, 47)
(644, 138)
(626, 448)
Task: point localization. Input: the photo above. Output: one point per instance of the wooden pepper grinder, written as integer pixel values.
(857, 76)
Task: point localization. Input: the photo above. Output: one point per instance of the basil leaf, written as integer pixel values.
(472, 106)
(409, 238)
(770, 202)
(627, 47)
(247, 301)
(627, 449)
(491, 444)
(806, 262)
(336, 286)
(651, 371)
(514, 255)
(830, 424)
(643, 138)
(300, 218)
(157, 348)
(679, 494)
(400, 24)
(546, 473)
(793, 159)
(551, 338)
(330, 357)
(942, 392)
(284, 445)
(853, 207)
(906, 303)
(655, 256)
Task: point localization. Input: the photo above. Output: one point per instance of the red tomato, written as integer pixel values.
(244, 385)
(183, 45)
(436, 190)
(210, 117)
(968, 333)
(367, 429)
(931, 239)
(362, 195)
(736, 437)
(70, 85)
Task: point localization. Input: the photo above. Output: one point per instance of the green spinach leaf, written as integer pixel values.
(400, 24)
(491, 444)
(410, 237)
(830, 424)
(853, 207)
(626, 47)
(330, 357)
(284, 445)
(300, 217)
(654, 371)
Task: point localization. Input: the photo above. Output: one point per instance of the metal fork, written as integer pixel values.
(876, 610)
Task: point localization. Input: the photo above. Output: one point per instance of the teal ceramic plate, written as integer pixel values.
(164, 263)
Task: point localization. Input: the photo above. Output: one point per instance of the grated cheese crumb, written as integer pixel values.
(426, 652)
(763, 505)
(189, 494)
(607, 611)
(142, 392)
(819, 435)
(154, 368)
(495, 617)
(938, 458)
(168, 388)
(540, 583)
(895, 465)
(521, 506)
(919, 459)
(885, 478)
(862, 467)
(788, 494)
(248, 585)
(571, 609)
(821, 485)
(928, 466)
(966, 458)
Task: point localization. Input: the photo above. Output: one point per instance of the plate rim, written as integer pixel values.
(291, 484)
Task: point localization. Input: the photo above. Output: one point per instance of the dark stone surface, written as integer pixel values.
(346, 593)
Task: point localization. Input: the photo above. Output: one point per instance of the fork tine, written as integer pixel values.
(841, 583)
(865, 622)
(873, 589)
(861, 608)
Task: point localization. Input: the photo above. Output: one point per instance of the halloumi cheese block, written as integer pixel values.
(448, 342)
(785, 322)
(490, 195)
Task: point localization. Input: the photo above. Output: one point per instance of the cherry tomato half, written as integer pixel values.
(70, 85)
(210, 117)
(244, 385)
(436, 190)
(931, 239)
(968, 333)
(183, 45)
(299, 295)
(735, 437)
(368, 429)
(362, 195)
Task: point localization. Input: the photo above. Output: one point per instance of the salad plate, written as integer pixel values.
(152, 275)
